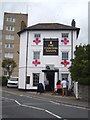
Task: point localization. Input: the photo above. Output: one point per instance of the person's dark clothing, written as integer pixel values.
(40, 88)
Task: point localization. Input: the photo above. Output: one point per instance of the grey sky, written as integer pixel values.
(61, 11)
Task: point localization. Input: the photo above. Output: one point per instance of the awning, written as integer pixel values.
(45, 71)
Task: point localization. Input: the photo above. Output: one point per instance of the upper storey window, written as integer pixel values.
(9, 37)
(37, 35)
(10, 19)
(10, 28)
(36, 39)
(65, 35)
(64, 55)
(36, 55)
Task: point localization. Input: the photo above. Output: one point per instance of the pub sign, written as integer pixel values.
(50, 46)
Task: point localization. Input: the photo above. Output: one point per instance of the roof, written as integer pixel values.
(13, 13)
(49, 26)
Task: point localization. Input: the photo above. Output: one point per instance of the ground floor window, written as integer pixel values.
(28, 79)
(35, 79)
(64, 76)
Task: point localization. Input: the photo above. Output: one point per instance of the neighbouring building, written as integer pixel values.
(0, 53)
(45, 51)
(13, 22)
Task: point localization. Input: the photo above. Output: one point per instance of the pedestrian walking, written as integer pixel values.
(64, 87)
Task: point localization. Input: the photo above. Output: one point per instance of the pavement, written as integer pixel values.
(68, 100)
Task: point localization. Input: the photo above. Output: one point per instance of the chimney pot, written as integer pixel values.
(73, 23)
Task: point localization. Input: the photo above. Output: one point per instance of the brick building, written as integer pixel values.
(13, 22)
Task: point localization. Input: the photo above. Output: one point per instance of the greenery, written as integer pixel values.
(4, 80)
(80, 65)
(9, 64)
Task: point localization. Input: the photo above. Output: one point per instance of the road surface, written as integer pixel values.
(37, 106)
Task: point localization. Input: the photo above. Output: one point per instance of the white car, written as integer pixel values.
(12, 82)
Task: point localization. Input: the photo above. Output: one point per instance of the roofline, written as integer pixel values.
(16, 13)
(75, 29)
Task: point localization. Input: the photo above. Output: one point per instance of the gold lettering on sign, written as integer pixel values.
(50, 50)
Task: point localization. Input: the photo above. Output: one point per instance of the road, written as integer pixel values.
(18, 105)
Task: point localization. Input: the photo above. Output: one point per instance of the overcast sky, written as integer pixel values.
(60, 11)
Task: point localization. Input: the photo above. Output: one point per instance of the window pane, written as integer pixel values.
(64, 55)
(64, 76)
(5, 73)
(8, 55)
(9, 37)
(37, 35)
(9, 19)
(28, 80)
(65, 35)
(35, 79)
(10, 28)
(36, 55)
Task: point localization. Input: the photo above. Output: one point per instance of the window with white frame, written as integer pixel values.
(35, 79)
(10, 19)
(5, 73)
(65, 35)
(10, 28)
(36, 55)
(64, 76)
(64, 55)
(9, 46)
(8, 55)
(37, 35)
(9, 37)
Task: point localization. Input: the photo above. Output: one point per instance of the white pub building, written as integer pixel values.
(45, 51)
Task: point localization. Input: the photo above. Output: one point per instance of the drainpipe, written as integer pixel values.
(26, 58)
(71, 44)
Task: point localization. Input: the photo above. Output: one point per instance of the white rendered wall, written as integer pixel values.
(22, 60)
(44, 60)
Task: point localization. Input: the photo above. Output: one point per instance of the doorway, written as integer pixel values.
(50, 77)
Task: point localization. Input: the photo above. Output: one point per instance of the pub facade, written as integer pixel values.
(46, 50)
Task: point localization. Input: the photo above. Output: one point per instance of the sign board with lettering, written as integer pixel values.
(50, 46)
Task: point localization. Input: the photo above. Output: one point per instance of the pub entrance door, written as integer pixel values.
(50, 77)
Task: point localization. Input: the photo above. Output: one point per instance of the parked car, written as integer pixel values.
(12, 82)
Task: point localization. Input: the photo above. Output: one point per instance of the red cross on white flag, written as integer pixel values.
(65, 63)
(35, 62)
(65, 41)
(36, 41)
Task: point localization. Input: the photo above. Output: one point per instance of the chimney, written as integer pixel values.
(73, 23)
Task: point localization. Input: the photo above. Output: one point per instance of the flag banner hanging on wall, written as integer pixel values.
(36, 41)
(65, 63)
(36, 62)
(64, 41)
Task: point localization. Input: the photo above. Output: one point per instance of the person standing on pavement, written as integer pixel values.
(46, 82)
(59, 89)
(64, 87)
(67, 85)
